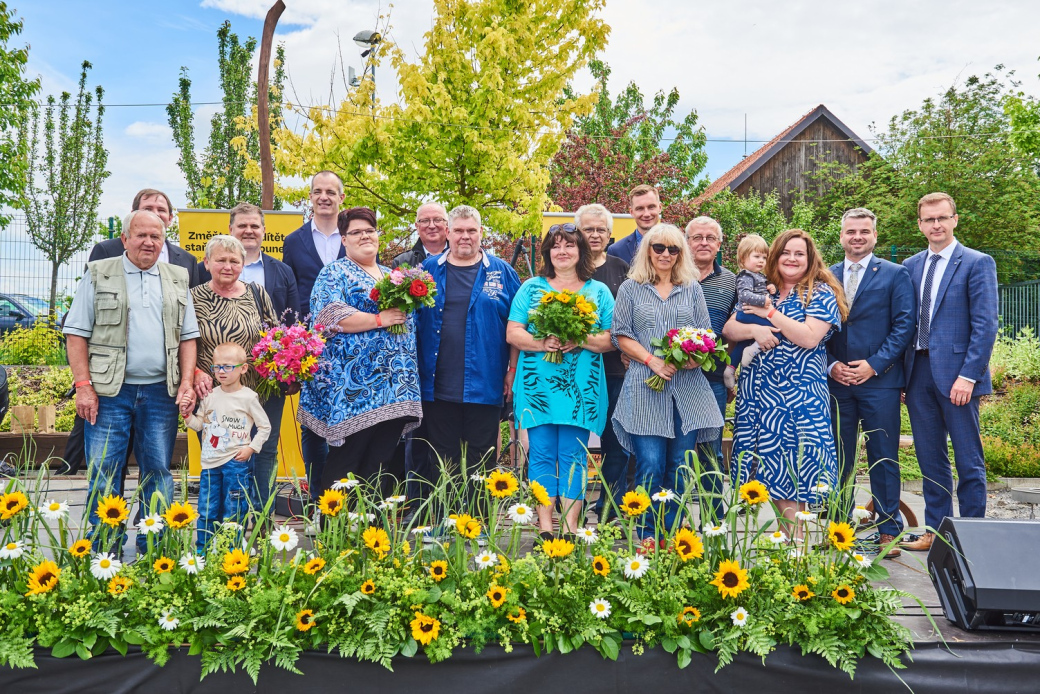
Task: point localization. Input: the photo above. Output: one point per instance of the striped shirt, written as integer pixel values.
(641, 314)
(720, 294)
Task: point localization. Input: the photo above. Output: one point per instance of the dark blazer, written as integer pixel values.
(626, 248)
(299, 254)
(415, 257)
(111, 248)
(881, 325)
(964, 326)
(279, 283)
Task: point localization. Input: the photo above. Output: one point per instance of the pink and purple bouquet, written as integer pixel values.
(683, 345)
(286, 355)
(406, 288)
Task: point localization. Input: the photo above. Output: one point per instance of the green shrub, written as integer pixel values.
(40, 345)
(37, 387)
(1009, 460)
(1016, 357)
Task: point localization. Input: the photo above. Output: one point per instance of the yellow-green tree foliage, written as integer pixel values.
(478, 119)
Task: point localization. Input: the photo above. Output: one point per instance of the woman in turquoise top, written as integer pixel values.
(559, 404)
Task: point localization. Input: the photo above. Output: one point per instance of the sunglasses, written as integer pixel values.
(569, 228)
(224, 367)
(660, 248)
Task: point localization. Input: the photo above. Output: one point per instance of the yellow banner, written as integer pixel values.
(624, 224)
(197, 227)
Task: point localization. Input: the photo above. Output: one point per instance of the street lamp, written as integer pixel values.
(368, 40)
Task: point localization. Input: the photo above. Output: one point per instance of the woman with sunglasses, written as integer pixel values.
(367, 392)
(559, 404)
(659, 428)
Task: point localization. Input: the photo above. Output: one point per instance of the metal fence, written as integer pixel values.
(1020, 306)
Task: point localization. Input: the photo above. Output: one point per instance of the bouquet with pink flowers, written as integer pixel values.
(287, 355)
(406, 288)
(683, 345)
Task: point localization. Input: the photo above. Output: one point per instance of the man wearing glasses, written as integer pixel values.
(645, 207)
(947, 364)
(431, 221)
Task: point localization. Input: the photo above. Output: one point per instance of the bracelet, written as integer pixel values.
(80, 384)
(769, 316)
(379, 321)
(647, 360)
(510, 368)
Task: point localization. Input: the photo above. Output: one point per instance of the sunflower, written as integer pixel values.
(754, 492)
(80, 548)
(635, 503)
(163, 565)
(689, 615)
(425, 629)
(557, 549)
(235, 562)
(376, 540)
(844, 594)
(688, 545)
(467, 526)
(304, 620)
(439, 570)
(11, 504)
(236, 583)
(519, 616)
(802, 592)
(179, 515)
(547, 297)
(540, 494)
(600, 565)
(368, 587)
(497, 595)
(841, 535)
(314, 566)
(112, 510)
(119, 585)
(331, 502)
(44, 578)
(730, 579)
(502, 484)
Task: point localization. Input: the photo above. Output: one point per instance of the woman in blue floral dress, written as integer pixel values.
(783, 433)
(366, 393)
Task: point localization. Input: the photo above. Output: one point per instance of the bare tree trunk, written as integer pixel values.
(263, 116)
(54, 288)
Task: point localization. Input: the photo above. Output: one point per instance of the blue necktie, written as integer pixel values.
(924, 327)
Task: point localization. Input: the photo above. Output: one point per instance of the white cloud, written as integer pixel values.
(144, 130)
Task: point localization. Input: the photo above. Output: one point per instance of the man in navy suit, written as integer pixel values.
(866, 368)
(947, 364)
(645, 208)
(306, 251)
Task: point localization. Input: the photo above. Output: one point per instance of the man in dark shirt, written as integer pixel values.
(431, 223)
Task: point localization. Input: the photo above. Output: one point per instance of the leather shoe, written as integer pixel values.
(884, 539)
(920, 544)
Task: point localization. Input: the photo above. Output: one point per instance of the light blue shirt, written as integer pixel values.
(326, 246)
(254, 272)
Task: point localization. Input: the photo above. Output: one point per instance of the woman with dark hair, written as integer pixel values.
(783, 430)
(559, 404)
(367, 391)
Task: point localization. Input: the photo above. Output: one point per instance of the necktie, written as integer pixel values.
(924, 325)
(850, 291)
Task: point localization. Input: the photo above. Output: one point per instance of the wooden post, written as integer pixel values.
(262, 110)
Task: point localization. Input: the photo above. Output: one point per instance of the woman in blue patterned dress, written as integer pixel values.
(783, 429)
(367, 391)
(559, 404)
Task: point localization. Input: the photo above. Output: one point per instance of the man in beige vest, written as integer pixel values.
(131, 343)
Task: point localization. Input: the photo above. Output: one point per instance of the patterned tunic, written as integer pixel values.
(237, 320)
(365, 378)
(783, 417)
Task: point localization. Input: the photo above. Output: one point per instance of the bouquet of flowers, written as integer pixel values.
(682, 345)
(566, 315)
(406, 288)
(287, 354)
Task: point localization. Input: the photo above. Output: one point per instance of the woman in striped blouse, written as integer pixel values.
(660, 427)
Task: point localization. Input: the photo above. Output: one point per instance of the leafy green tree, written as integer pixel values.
(216, 177)
(17, 95)
(67, 166)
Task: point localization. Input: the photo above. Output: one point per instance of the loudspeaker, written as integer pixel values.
(987, 573)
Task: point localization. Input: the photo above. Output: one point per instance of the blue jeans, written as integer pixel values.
(315, 451)
(223, 495)
(658, 460)
(152, 414)
(558, 459)
(613, 468)
(265, 463)
(710, 456)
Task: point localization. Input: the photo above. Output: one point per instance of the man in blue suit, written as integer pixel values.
(866, 368)
(645, 208)
(947, 364)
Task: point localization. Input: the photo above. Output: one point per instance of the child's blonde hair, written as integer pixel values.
(752, 243)
(238, 350)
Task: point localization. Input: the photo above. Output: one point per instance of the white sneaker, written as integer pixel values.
(311, 528)
(749, 354)
(729, 377)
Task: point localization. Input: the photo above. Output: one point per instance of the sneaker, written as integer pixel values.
(310, 529)
(482, 539)
(545, 536)
(729, 377)
(749, 354)
(434, 537)
(648, 546)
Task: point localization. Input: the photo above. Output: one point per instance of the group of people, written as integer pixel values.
(828, 352)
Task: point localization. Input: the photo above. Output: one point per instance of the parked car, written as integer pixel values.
(22, 310)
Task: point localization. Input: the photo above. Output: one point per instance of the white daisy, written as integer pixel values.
(399, 499)
(716, 530)
(860, 513)
(345, 483)
(796, 552)
(385, 505)
(449, 522)
(600, 608)
(521, 513)
(663, 495)
(168, 622)
(739, 616)
(54, 510)
(485, 560)
(636, 566)
(861, 561)
(284, 539)
(422, 530)
(151, 524)
(587, 535)
(12, 550)
(192, 563)
(368, 517)
(821, 488)
(805, 516)
(476, 477)
(778, 538)
(105, 566)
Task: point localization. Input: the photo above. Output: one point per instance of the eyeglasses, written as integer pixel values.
(704, 239)
(930, 221)
(660, 248)
(357, 233)
(568, 227)
(596, 231)
(427, 221)
(221, 368)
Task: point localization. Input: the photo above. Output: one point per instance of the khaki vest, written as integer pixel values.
(106, 347)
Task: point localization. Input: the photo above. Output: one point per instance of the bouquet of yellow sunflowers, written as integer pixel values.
(566, 315)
